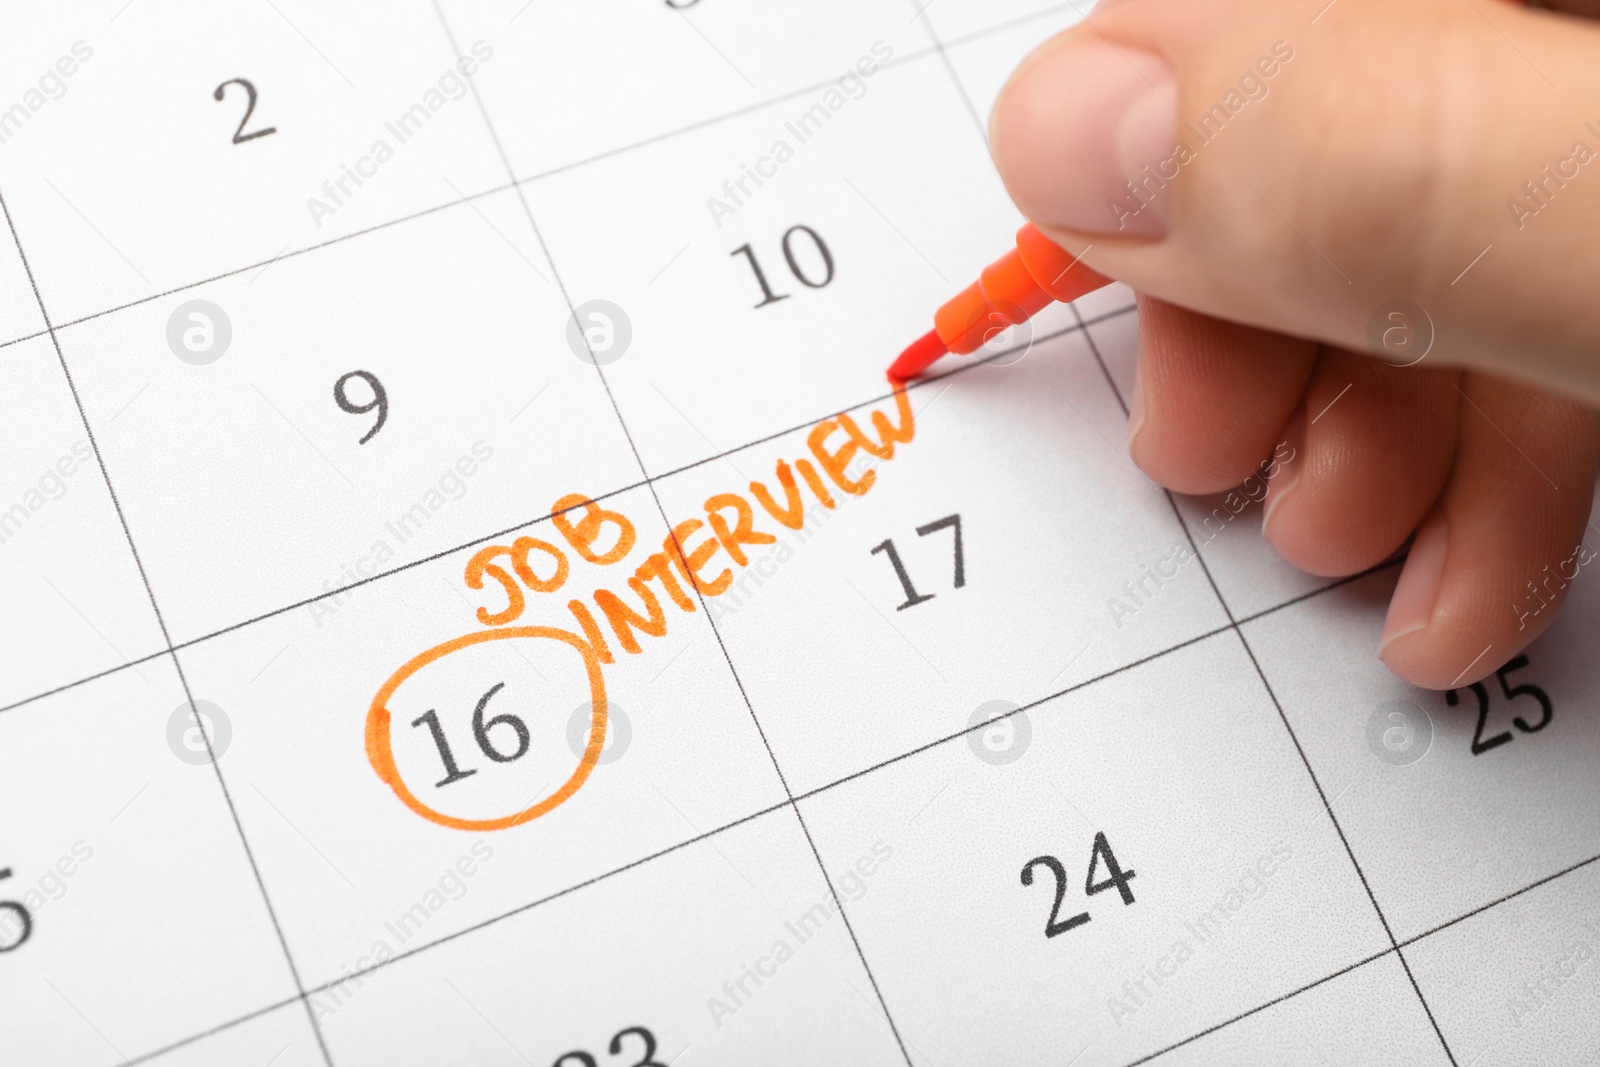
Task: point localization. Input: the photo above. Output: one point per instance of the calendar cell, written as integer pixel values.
(797, 292)
(491, 796)
(277, 127)
(62, 549)
(1450, 800)
(1156, 863)
(701, 62)
(128, 908)
(472, 596)
(1519, 983)
(333, 439)
(716, 953)
(938, 589)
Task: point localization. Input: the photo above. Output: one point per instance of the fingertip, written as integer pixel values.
(1075, 123)
(1492, 565)
(1417, 592)
(1373, 447)
(1291, 463)
(1209, 397)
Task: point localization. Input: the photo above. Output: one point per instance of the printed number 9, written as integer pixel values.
(380, 400)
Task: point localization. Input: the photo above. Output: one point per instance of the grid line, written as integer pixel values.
(771, 809)
(1233, 624)
(1274, 1002)
(258, 265)
(661, 509)
(895, 61)
(122, 520)
(433, 557)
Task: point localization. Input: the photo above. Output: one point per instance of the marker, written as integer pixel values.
(1012, 289)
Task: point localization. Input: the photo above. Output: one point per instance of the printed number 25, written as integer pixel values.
(1481, 744)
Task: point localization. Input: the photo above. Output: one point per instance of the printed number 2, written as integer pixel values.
(239, 136)
(913, 598)
(1481, 744)
(1115, 878)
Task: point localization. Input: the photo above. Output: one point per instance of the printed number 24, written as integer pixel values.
(1481, 744)
(1115, 877)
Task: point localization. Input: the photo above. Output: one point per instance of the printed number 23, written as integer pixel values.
(648, 1059)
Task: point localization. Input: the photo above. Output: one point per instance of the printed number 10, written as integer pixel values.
(767, 295)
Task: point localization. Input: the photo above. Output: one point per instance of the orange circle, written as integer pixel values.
(381, 755)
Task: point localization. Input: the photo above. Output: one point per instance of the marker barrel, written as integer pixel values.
(1013, 289)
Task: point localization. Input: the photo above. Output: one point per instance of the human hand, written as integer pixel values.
(1298, 169)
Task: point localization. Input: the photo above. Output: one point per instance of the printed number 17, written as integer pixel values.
(913, 598)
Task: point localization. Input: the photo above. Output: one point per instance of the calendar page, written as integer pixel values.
(472, 597)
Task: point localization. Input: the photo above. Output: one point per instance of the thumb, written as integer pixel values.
(1312, 166)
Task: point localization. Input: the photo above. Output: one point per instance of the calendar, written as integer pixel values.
(472, 597)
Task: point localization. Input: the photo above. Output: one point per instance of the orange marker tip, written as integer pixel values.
(918, 357)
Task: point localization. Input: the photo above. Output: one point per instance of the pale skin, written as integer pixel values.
(1371, 165)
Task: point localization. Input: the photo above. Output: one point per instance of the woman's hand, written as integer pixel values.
(1369, 229)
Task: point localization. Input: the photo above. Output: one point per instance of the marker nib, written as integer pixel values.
(918, 357)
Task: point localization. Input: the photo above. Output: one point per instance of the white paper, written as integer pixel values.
(802, 840)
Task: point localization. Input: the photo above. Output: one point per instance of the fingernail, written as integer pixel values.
(1136, 407)
(1276, 492)
(1411, 607)
(1284, 478)
(1079, 122)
